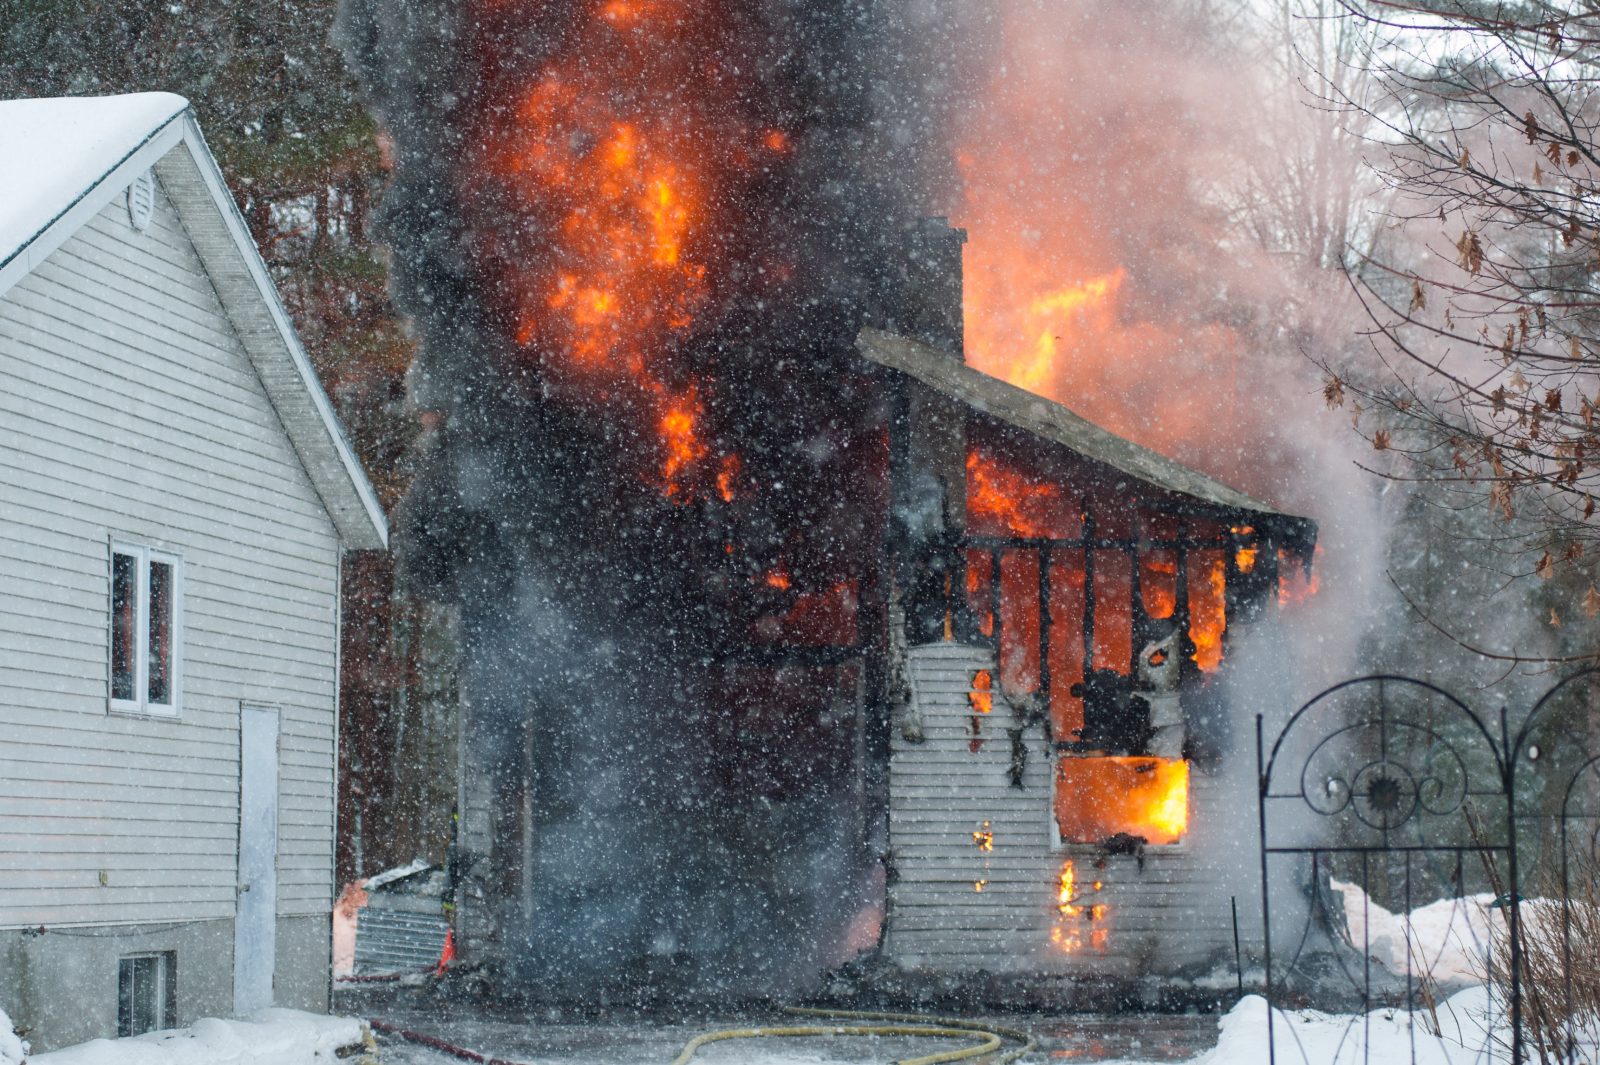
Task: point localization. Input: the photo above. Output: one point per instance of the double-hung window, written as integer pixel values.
(146, 629)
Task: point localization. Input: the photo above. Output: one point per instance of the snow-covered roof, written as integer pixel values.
(1051, 421)
(399, 872)
(52, 152)
(62, 160)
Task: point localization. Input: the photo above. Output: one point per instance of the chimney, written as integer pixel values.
(930, 303)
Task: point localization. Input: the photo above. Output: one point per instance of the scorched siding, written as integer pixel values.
(1167, 917)
(129, 411)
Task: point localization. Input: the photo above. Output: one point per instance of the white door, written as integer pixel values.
(255, 921)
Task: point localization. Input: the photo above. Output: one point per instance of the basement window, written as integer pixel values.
(146, 630)
(147, 996)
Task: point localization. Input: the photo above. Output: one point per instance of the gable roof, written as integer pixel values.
(1048, 420)
(63, 160)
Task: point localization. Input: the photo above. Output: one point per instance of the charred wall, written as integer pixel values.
(658, 493)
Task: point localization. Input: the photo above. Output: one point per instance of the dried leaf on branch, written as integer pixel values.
(1469, 253)
(1333, 392)
(1500, 500)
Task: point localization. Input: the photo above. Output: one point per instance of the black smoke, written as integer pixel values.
(673, 768)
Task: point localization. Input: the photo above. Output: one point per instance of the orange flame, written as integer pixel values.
(1064, 896)
(984, 838)
(684, 450)
(1065, 312)
(981, 697)
(1208, 618)
(727, 475)
(1067, 294)
(1009, 502)
(1097, 798)
(595, 174)
(1072, 914)
(1158, 583)
(1294, 586)
(1245, 557)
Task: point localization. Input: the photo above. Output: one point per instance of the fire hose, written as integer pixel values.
(433, 1042)
(898, 1024)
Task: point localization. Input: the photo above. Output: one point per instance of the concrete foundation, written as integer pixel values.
(60, 986)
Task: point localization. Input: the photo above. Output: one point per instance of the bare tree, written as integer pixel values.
(1301, 192)
(1482, 324)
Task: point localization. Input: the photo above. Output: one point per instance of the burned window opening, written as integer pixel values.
(1101, 610)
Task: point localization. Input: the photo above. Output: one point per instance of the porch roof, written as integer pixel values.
(1048, 420)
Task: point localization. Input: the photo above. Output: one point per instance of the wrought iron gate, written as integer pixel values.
(1555, 774)
(1389, 787)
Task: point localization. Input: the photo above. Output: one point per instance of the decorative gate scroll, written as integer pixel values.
(1392, 787)
(1382, 785)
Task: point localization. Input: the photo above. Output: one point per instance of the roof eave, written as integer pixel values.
(195, 184)
(54, 232)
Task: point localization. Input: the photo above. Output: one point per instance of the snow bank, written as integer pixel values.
(1448, 940)
(270, 1037)
(12, 1049)
(1469, 1032)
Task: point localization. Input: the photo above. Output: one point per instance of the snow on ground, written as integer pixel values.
(12, 1049)
(1447, 939)
(270, 1037)
(1466, 1029)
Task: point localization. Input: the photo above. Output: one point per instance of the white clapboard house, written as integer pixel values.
(176, 494)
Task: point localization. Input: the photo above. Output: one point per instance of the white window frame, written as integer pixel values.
(141, 705)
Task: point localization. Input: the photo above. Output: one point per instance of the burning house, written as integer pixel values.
(784, 634)
(1055, 696)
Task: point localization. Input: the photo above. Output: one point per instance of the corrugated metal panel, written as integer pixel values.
(390, 941)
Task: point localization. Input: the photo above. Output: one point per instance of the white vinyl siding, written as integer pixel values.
(130, 413)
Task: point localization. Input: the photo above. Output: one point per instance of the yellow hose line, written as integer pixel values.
(1029, 1043)
(991, 1043)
